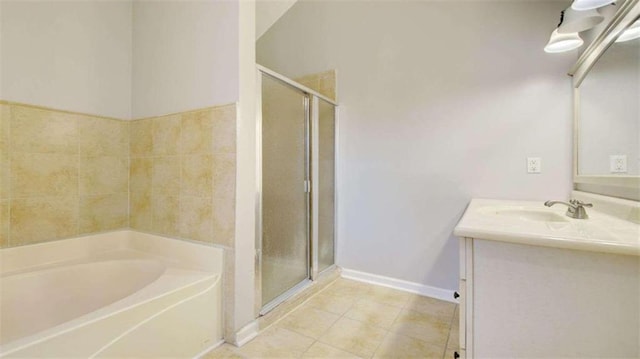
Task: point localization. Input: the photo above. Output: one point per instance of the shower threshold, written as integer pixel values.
(284, 296)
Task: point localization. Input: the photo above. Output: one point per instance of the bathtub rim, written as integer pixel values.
(191, 254)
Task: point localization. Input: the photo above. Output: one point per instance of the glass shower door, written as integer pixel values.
(285, 197)
(326, 184)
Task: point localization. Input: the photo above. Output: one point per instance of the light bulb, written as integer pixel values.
(582, 5)
(632, 32)
(578, 21)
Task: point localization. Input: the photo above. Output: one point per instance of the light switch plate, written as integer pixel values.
(618, 163)
(534, 165)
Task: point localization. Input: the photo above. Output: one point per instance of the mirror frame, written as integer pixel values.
(628, 12)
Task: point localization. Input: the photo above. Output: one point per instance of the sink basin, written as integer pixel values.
(531, 223)
(532, 215)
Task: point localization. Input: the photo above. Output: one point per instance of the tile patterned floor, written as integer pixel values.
(350, 319)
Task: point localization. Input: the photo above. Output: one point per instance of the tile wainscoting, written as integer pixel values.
(65, 174)
(182, 173)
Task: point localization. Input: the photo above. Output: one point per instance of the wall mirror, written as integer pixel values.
(607, 110)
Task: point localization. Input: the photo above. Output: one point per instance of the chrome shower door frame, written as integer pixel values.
(311, 188)
(315, 182)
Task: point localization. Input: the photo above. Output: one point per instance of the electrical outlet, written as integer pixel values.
(618, 163)
(534, 165)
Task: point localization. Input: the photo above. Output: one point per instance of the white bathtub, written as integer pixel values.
(120, 294)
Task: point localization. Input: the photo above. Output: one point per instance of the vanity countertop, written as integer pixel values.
(531, 223)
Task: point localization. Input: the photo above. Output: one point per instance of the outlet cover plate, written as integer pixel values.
(618, 163)
(534, 165)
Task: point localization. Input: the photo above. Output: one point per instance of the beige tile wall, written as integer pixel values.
(183, 175)
(61, 174)
(323, 82)
(65, 174)
(5, 113)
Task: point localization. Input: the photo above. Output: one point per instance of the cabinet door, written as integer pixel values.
(543, 302)
(465, 289)
(463, 317)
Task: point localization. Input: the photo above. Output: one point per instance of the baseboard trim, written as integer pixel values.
(248, 332)
(411, 287)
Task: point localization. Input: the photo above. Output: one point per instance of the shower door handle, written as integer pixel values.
(307, 186)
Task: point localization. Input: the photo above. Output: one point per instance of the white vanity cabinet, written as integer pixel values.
(527, 301)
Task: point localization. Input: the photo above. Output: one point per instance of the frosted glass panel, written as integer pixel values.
(326, 195)
(284, 200)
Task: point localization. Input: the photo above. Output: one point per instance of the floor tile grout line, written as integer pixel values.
(405, 309)
(273, 325)
(369, 286)
(446, 344)
(306, 350)
(331, 326)
(388, 332)
(320, 335)
(342, 316)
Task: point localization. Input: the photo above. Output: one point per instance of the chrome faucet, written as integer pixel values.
(576, 208)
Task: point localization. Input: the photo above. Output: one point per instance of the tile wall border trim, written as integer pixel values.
(212, 107)
(46, 108)
(38, 107)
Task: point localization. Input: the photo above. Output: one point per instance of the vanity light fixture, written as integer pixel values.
(560, 42)
(582, 5)
(578, 21)
(563, 42)
(632, 32)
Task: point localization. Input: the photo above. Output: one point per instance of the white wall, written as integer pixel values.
(440, 102)
(121, 59)
(67, 55)
(185, 55)
(268, 12)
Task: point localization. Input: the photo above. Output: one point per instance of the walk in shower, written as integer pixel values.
(296, 206)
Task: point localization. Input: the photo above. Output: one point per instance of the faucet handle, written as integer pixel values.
(577, 203)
